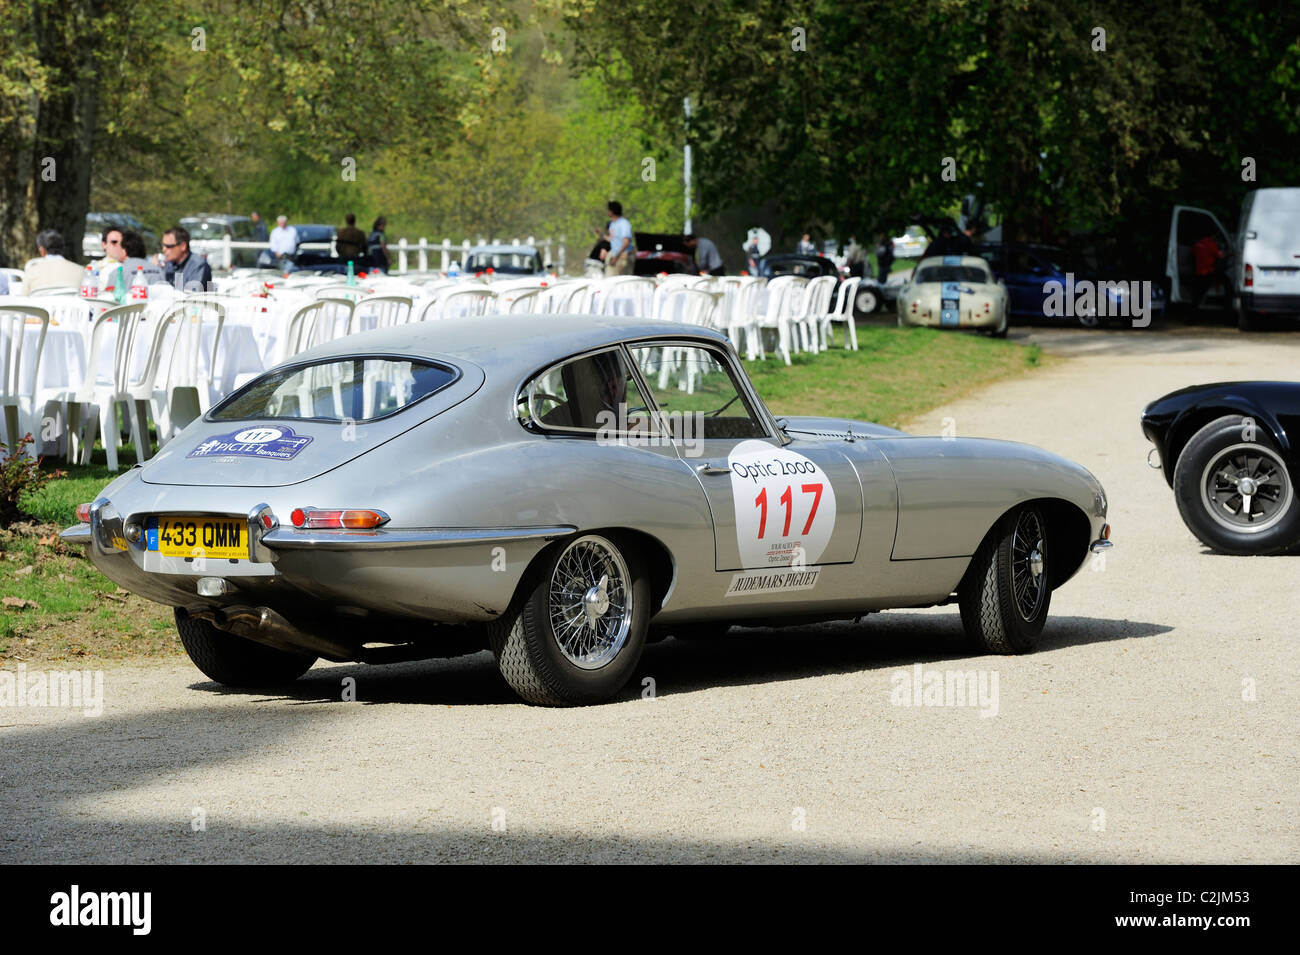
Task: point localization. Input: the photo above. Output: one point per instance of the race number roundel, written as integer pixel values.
(785, 506)
(258, 435)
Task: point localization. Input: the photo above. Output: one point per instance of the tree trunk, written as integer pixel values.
(48, 186)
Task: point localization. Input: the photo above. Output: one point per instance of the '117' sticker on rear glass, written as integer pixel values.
(277, 444)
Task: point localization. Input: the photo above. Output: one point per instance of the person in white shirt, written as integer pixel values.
(805, 246)
(51, 270)
(284, 240)
(622, 250)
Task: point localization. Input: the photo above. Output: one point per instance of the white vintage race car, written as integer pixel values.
(954, 291)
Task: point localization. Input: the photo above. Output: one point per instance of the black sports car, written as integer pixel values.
(870, 294)
(1226, 451)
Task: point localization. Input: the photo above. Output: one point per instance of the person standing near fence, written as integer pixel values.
(284, 240)
(351, 241)
(622, 248)
(259, 228)
(377, 244)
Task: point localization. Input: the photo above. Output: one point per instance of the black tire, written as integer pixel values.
(993, 615)
(1248, 321)
(1207, 482)
(693, 632)
(524, 641)
(864, 297)
(235, 661)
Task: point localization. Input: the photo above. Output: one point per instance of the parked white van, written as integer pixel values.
(1264, 270)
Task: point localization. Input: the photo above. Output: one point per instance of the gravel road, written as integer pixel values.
(1125, 738)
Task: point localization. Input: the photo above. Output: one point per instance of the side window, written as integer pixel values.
(585, 395)
(696, 393)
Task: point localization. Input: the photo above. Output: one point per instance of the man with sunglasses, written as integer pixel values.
(186, 271)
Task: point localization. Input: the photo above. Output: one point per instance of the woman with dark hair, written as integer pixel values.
(137, 257)
(377, 245)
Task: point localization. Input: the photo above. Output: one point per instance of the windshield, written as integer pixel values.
(207, 229)
(503, 262)
(952, 273)
(345, 389)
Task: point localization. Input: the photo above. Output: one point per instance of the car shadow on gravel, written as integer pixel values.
(744, 656)
(101, 842)
(882, 641)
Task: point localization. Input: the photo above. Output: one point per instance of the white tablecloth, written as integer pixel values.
(63, 358)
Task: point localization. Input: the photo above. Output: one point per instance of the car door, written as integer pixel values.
(1024, 276)
(773, 503)
(1187, 226)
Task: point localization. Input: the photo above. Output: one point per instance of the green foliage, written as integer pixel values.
(852, 130)
(20, 474)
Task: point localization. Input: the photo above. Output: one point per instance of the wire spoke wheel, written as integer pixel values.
(590, 603)
(1028, 582)
(1246, 488)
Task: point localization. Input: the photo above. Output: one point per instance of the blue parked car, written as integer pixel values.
(1030, 272)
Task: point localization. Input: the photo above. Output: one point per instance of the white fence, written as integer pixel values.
(220, 251)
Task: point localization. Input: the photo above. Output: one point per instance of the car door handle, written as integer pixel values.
(710, 469)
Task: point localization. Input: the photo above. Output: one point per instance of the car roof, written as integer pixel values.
(506, 345)
(501, 249)
(974, 260)
(1027, 246)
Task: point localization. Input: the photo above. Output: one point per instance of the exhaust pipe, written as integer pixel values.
(263, 625)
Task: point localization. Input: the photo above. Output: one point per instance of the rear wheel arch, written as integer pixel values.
(658, 560)
(1193, 420)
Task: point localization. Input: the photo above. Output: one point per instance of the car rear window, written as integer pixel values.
(952, 273)
(343, 389)
(502, 262)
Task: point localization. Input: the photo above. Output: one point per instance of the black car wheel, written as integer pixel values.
(865, 302)
(576, 631)
(1234, 491)
(1006, 593)
(235, 661)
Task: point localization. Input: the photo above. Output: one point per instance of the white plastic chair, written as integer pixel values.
(175, 384)
(389, 310)
(842, 312)
(637, 287)
(773, 313)
(464, 302)
(18, 412)
(813, 304)
(92, 406)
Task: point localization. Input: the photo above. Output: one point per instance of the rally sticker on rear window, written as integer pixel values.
(785, 506)
(950, 303)
(278, 444)
(772, 581)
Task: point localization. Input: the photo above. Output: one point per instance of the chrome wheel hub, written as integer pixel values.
(1246, 488)
(590, 602)
(1036, 562)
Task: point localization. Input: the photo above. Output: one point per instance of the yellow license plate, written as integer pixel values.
(210, 537)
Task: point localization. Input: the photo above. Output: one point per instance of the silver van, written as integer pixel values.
(1264, 270)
